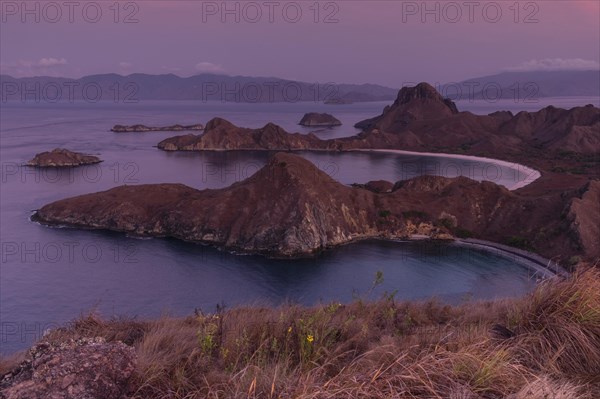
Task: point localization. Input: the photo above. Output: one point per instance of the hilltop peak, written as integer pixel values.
(284, 169)
(421, 102)
(217, 122)
(423, 92)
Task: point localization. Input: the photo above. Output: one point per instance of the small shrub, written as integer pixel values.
(384, 213)
(446, 222)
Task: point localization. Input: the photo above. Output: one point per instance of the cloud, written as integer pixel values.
(208, 67)
(556, 64)
(51, 62)
(47, 66)
(125, 65)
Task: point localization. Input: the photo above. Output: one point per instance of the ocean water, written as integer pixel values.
(49, 276)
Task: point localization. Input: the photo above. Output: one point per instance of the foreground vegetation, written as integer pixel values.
(543, 346)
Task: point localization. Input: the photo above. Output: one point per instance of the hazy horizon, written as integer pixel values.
(381, 42)
(125, 75)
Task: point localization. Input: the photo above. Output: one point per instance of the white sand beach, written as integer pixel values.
(531, 174)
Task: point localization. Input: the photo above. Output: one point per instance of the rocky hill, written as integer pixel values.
(552, 139)
(290, 208)
(220, 134)
(421, 118)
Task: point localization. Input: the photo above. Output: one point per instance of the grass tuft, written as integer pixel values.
(546, 345)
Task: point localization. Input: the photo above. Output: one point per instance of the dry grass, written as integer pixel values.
(544, 346)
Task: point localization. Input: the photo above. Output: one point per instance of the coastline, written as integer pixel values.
(533, 174)
(543, 266)
(547, 268)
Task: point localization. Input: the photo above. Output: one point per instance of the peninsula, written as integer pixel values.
(552, 140)
(290, 208)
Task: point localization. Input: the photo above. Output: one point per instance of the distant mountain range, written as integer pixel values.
(204, 87)
(526, 85)
(213, 87)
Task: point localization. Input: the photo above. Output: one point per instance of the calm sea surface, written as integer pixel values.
(49, 276)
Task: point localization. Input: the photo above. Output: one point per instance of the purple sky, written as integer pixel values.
(383, 42)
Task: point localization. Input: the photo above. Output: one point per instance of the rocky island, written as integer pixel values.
(290, 208)
(144, 128)
(308, 212)
(314, 119)
(552, 140)
(60, 157)
(338, 101)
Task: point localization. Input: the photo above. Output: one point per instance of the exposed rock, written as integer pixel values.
(413, 103)
(552, 140)
(584, 216)
(220, 134)
(316, 119)
(421, 111)
(576, 130)
(60, 157)
(290, 208)
(421, 120)
(144, 128)
(75, 369)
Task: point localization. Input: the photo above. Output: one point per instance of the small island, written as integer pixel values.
(314, 119)
(60, 157)
(143, 128)
(338, 101)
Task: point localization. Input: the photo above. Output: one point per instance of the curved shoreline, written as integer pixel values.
(532, 174)
(546, 268)
(542, 266)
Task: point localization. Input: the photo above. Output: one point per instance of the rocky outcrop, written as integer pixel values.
(551, 139)
(144, 128)
(584, 218)
(86, 368)
(420, 118)
(575, 130)
(314, 119)
(220, 134)
(290, 208)
(421, 102)
(60, 157)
